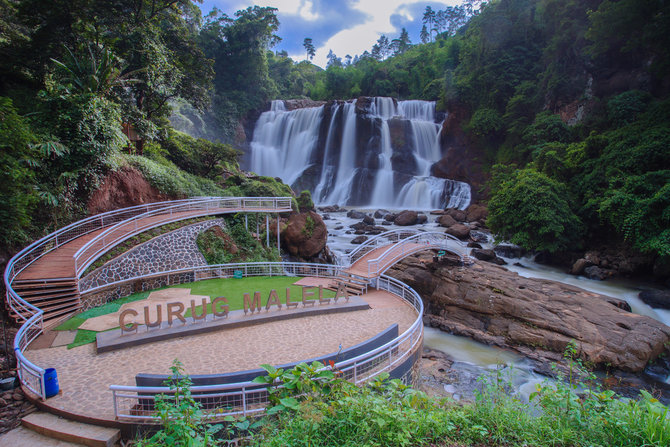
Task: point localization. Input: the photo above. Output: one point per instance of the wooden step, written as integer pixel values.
(53, 300)
(51, 307)
(30, 293)
(56, 427)
(58, 313)
(41, 283)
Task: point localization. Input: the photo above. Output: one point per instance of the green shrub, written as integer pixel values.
(305, 201)
(625, 108)
(170, 180)
(532, 210)
(485, 122)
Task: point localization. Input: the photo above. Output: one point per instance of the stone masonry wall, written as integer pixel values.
(171, 251)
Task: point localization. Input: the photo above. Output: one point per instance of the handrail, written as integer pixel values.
(135, 403)
(31, 375)
(374, 242)
(90, 251)
(426, 240)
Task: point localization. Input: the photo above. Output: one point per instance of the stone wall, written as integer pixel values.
(171, 251)
(114, 292)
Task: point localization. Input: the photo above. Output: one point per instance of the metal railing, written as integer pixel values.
(371, 244)
(414, 244)
(136, 403)
(31, 375)
(201, 273)
(115, 234)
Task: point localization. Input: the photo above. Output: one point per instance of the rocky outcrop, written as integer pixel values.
(535, 317)
(292, 104)
(121, 189)
(303, 235)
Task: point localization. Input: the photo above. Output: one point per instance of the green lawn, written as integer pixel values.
(233, 289)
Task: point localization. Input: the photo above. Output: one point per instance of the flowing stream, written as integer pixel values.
(473, 359)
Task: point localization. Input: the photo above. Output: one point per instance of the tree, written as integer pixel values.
(532, 210)
(429, 19)
(382, 48)
(402, 43)
(309, 47)
(424, 36)
(333, 60)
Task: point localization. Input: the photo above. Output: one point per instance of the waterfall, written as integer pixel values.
(379, 155)
(283, 141)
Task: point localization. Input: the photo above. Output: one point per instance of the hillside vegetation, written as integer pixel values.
(564, 103)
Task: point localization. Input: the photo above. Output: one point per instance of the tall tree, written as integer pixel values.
(423, 35)
(402, 43)
(309, 47)
(428, 20)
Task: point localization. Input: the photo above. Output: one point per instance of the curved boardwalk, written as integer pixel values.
(51, 281)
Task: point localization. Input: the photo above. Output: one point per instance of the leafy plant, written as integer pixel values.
(181, 415)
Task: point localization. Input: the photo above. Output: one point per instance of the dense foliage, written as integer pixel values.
(574, 93)
(313, 407)
(85, 81)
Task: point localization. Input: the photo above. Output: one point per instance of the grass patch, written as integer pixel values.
(233, 289)
(77, 320)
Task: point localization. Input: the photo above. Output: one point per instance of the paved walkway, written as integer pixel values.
(84, 376)
(22, 437)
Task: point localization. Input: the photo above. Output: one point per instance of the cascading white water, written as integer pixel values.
(382, 194)
(284, 142)
(347, 165)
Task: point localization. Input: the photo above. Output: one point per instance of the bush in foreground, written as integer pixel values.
(316, 408)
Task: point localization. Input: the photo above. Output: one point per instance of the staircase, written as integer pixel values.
(55, 427)
(354, 285)
(56, 297)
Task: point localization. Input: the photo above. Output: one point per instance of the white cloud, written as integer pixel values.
(362, 37)
(302, 8)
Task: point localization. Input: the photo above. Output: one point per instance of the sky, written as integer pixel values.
(344, 26)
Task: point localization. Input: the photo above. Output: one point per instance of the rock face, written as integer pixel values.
(535, 317)
(304, 235)
(123, 188)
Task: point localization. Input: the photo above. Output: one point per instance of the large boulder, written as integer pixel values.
(458, 215)
(359, 240)
(656, 298)
(458, 230)
(446, 221)
(509, 250)
(476, 213)
(304, 235)
(538, 318)
(406, 218)
(354, 214)
(487, 255)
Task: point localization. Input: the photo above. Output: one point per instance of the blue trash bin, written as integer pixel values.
(50, 382)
